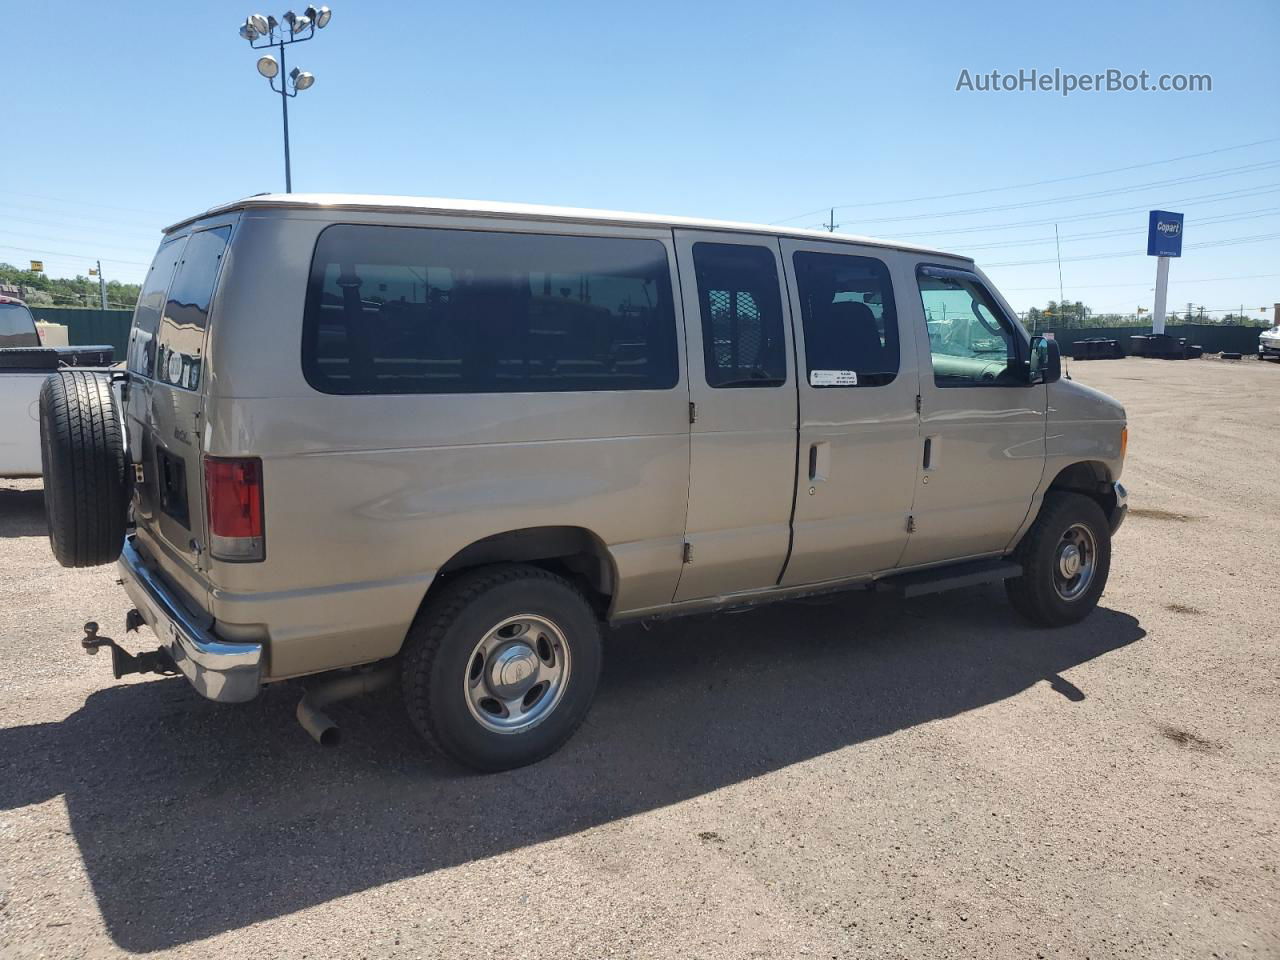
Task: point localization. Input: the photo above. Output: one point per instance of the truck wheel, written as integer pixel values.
(1065, 557)
(500, 668)
(86, 489)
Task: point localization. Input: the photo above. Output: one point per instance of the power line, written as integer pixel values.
(53, 217)
(1205, 222)
(1035, 183)
(1238, 194)
(73, 256)
(1214, 175)
(1146, 283)
(83, 203)
(1234, 241)
(37, 236)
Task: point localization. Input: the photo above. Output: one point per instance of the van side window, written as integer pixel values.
(742, 337)
(425, 310)
(972, 342)
(850, 324)
(146, 315)
(186, 312)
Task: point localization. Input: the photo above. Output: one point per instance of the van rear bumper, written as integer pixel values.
(221, 671)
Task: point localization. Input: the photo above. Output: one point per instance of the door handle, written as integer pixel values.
(930, 460)
(819, 461)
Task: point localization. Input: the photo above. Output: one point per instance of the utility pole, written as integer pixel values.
(831, 224)
(102, 286)
(1058, 244)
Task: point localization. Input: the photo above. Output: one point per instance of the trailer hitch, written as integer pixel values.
(122, 661)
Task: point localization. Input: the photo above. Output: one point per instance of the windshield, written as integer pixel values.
(17, 327)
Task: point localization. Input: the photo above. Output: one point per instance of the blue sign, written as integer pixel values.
(1164, 234)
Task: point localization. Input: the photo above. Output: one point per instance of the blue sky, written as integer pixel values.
(758, 111)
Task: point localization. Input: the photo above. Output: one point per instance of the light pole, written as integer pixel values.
(262, 32)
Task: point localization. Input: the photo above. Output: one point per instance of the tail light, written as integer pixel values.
(233, 493)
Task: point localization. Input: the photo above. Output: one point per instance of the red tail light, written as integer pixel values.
(233, 493)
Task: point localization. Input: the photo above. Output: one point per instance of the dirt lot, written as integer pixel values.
(864, 778)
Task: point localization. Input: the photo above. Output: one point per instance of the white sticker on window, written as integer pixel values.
(833, 378)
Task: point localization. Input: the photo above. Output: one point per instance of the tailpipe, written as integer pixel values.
(312, 705)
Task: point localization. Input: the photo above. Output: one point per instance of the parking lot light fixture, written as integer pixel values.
(263, 32)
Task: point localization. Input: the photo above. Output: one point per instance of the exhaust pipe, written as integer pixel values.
(311, 707)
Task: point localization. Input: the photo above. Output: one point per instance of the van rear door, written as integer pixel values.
(166, 402)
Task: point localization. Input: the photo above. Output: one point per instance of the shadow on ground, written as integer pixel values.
(194, 818)
(22, 513)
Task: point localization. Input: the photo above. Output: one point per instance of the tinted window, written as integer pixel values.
(186, 312)
(850, 325)
(146, 315)
(17, 327)
(742, 339)
(971, 341)
(415, 310)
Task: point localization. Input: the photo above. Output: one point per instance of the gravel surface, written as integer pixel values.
(859, 778)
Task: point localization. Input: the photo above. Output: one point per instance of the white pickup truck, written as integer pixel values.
(24, 364)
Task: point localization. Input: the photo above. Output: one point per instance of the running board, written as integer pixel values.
(952, 577)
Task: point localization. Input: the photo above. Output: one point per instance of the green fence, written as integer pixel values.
(85, 327)
(1214, 338)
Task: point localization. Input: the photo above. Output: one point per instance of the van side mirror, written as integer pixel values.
(1046, 361)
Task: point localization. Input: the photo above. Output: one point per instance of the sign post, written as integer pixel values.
(1164, 240)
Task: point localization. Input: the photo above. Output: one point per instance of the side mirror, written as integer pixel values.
(1046, 361)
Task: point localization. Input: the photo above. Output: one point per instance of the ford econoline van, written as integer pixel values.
(440, 445)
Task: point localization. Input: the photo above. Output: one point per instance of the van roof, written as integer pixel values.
(485, 208)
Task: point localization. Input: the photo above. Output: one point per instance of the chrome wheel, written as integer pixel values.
(1075, 562)
(517, 674)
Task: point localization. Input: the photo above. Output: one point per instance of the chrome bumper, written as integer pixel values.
(1121, 509)
(226, 672)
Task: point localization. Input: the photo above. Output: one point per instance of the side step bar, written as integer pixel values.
(951, 577)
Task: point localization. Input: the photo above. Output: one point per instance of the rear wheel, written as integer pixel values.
(500, 668)
(86, 489)
(1066, 558)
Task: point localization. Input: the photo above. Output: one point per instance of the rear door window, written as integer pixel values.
(186, 311)
(850, 324)
(146, 316)
(423, 310)
(741, 307)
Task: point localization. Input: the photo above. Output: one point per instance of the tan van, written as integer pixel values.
(441, 444)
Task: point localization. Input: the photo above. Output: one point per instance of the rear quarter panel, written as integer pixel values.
(366, 497)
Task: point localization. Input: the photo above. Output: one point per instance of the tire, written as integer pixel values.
(1043, 594)
(454, 651)
(86, 490)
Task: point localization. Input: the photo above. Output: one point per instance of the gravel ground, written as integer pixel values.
(862, 778)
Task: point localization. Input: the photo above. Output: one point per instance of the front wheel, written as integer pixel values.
(1066, 558)
(501, 666)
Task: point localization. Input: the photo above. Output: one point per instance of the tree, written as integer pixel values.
(62, 292)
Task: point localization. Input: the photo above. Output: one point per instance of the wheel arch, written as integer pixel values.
(575, 553)
(1090, 477)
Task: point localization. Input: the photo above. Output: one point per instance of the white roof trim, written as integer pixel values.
(485, 208)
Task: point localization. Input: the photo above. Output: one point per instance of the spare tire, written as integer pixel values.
(86, 489)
